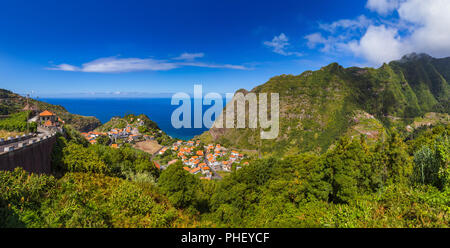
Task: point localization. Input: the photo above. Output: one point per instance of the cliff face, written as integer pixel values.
(82, 123)
(317, 107)
(12, 103)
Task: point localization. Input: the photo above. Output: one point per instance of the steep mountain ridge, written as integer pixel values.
(317, 107)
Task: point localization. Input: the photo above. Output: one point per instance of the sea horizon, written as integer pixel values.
(158, 109)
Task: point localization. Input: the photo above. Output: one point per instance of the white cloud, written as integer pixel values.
(339, 32)
(126, 65)
(378, 45)
(347, 24)
(328, 44)
(64, 67)
(421, 26)
(382, 7)
(226, 66)
(279, 44)
(113, 64)
(315, 39)
(190, 56)
(117, 65)
(431, 20)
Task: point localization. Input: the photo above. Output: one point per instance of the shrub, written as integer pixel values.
(431, 165)
(18, 122)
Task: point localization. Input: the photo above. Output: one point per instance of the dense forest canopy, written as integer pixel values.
(399, 182)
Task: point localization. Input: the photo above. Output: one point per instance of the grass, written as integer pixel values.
(223, 173)
(5, 134)
(431, 119)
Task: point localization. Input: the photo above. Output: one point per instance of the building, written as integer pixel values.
(157, 165)
(48, 119)
(195, 170)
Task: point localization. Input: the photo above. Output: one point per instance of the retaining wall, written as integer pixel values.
(32, 155)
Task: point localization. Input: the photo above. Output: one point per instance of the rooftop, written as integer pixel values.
(46, 113)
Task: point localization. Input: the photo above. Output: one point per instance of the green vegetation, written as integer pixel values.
(316, 106)
(431, 119)
(104, 140)
(142, 123)
(18, 122)
(179, 185)
(390, 183)
(431, 164)
(12, 103)
(345, 158)
(129, 119)
(74, 154)
(115, 122)
(82, 200)
(169, 155)
(351, 185)
(5, 134)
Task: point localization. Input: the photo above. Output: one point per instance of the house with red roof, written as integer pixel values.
(157, 165)
(48, 119)
(195, 170)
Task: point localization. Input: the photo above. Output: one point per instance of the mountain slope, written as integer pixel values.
(317, 107)
(141, 123)
(131, 119)
(12, 103)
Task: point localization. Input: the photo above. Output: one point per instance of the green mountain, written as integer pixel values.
(12, 103)
(134, 120)
(142, 122)
(317, 107)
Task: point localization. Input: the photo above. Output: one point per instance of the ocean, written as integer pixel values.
(158, 110)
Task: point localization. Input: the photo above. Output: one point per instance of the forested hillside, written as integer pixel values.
(131, 119)
(399, 182)
(358, 147)
(11, 103)
(318, 107)
(141, 122)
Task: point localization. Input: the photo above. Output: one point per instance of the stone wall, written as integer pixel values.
(34, 155)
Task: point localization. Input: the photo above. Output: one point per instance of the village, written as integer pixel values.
(119, 136)
(207, 161)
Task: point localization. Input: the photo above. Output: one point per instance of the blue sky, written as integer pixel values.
(128, 48)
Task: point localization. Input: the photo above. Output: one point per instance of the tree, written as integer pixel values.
(342, 172)
(309, 178)
(179, 185)
(80, 159)
(394, 160)
(143, 129)
(103, 140)
(348, 169)
(431, 164)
